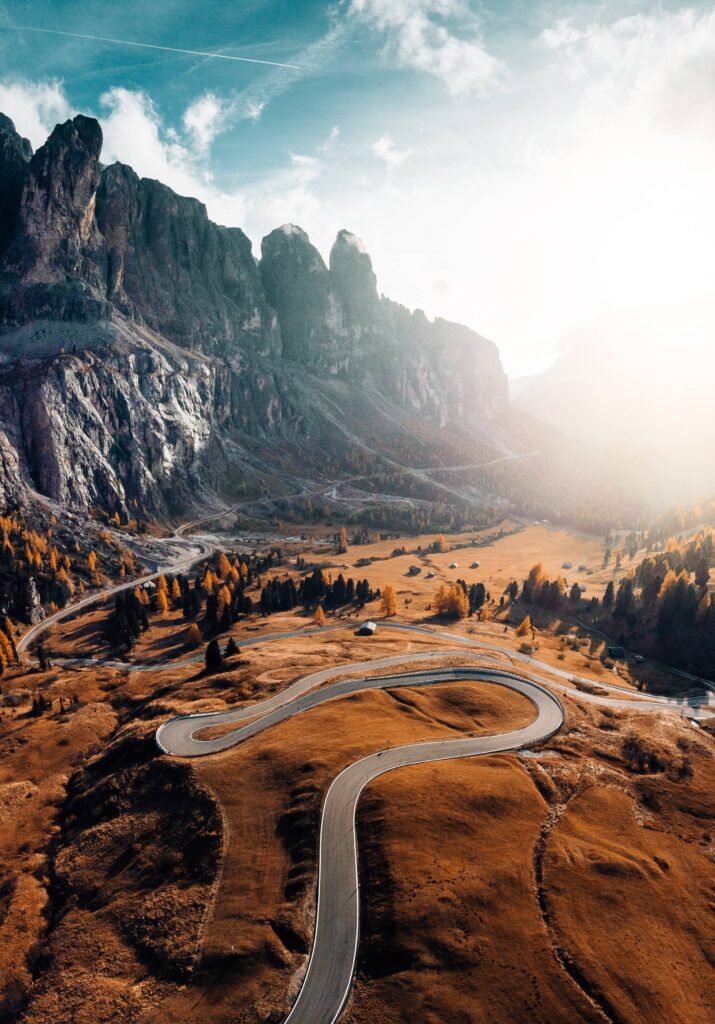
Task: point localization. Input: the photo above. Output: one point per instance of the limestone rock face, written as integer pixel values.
(57, 232)
(298, 286)
(57, 257)
(15, 154)
(186, 277)
(146, 358)
(353, 279)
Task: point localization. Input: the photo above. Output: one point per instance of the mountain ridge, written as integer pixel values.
(141, 343)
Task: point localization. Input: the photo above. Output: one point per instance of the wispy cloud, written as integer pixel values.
(249, 104)
(385, 149)
(439, 37)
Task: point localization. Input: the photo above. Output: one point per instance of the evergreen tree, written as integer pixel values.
(214, 658)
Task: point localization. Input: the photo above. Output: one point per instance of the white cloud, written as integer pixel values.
(385, 149)
(134, 134)
(205, 119)
(560, 34)
(35, 107)
(427, 35)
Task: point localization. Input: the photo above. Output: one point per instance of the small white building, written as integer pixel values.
(367, 629)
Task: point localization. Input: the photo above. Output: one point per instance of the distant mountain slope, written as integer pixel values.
(641, 389)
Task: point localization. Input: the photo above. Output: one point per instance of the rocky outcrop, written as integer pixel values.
(298, 287)
(15, 152)
(142, 345)
(57, 258)
(171, 267)
(353, 281)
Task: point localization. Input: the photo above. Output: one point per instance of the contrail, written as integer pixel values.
(150, 46)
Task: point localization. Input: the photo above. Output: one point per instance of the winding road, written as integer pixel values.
(192, 551)
(328, 979)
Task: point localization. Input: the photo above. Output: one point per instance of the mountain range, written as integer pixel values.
(148, 360)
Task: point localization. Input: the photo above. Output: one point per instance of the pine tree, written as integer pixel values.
(214, 658)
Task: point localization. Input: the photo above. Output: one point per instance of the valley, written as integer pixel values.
(225, 929)
(334, 686)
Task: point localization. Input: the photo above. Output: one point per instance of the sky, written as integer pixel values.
(533, 170)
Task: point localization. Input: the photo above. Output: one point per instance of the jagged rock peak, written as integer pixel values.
(185, 276)
(7, 127)
(56, 216)
(14, 155)
(352, 276)
(298, 286)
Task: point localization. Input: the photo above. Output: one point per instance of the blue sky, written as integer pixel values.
(534, 170)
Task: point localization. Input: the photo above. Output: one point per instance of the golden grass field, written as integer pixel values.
(562, 887)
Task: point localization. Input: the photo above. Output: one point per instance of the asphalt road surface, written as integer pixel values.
(327, 983)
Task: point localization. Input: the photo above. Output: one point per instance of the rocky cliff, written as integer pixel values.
(146, 357)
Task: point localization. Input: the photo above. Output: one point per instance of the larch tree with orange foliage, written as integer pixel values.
(440, 599)
(162, 603)
(388, 601)
(319, 616)
(456, 603)
(193, 636)
(524, 628)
